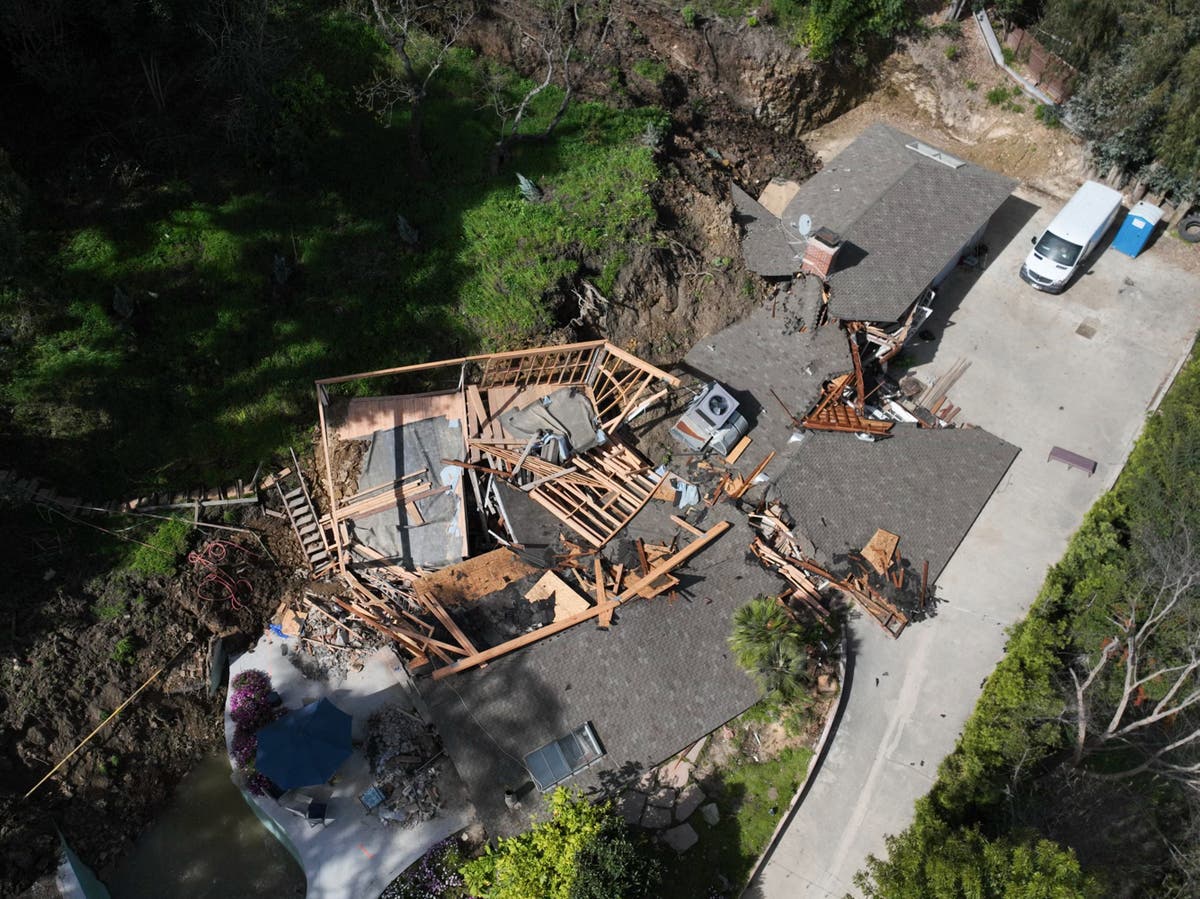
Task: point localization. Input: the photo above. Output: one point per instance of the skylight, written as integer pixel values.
(935, 154)
(557, 761)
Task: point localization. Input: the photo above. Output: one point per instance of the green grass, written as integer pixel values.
(212, 372)
(747, 821)
(161, 552)
(125, 651)
(651, 70)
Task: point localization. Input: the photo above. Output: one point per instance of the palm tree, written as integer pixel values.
(771, 646)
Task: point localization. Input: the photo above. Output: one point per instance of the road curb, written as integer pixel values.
(831, 719)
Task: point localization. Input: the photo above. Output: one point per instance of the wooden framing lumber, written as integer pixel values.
(687, 525)
(629, 593)
(749, 482)
(674, 561)
(605, 619)
(505, 648)
(736, 453)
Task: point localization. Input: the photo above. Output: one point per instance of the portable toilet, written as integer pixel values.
(1136, 229)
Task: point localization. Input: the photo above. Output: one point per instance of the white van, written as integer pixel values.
(1071, 237)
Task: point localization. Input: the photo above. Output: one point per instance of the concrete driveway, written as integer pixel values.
(1079, 371)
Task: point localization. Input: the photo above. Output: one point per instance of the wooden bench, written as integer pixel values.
(1072, 460)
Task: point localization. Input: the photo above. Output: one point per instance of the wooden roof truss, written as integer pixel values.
(832, 413)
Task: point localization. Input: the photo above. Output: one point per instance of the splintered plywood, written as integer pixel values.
(880, 550)
(473, 578)
(567, 601)
(366, 415)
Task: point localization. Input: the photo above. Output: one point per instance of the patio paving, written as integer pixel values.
(356, 854)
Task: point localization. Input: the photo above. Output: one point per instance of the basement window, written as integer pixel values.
(558, 760)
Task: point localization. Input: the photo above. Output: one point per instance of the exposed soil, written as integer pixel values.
(91, 646)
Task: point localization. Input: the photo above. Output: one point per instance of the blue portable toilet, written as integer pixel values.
(1136, 229)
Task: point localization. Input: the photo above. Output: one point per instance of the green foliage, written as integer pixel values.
(125, 651)
(650, 70)
(1137, 98)
(930, 860)
(997, 95)
(163, 549)
(772, 648)
(109, 609)
(952, 53)
(852, 24)
(209, 373)
(1009, 55)
(689, 16)
(1047, 115)
(582, 852)
(14, 196)
(971, 85)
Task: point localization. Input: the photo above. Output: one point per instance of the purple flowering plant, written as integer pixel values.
(244, 747)
(252, 682)
(435, 876)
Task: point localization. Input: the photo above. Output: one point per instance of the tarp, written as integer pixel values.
(306, 746)
(564, 413)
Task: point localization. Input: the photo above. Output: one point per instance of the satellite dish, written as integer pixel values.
(804, 225)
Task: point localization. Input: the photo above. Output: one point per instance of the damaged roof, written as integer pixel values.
(659, 679)
(903, 215)
(927, 485)
(763, 352)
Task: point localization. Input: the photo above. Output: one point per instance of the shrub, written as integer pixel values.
(435, 874)
(952, 52)
(650, 70)
(689, 16)
(1050, 116)
(248, 707)
(930, 860)
(772, 647)
(1008, 54)
(258, 783)
(252, 682)
(583, 851)
(997, 95)
(125, 651)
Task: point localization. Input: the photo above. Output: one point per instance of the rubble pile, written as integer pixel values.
(402, 751)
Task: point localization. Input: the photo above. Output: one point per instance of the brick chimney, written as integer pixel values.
(820, 251)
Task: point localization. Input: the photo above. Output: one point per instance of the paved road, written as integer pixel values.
(1077, 371)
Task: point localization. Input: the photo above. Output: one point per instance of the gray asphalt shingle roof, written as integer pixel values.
(902, 216)
(662, 677)
(754, 356)
(926, 485)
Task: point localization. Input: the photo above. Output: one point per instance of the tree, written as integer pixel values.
(552, 36)
(776, 650)
(421, 36)
(1140, 689)
(931, 860)
(582, 852)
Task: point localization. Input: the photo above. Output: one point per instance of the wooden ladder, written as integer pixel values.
(305, 522)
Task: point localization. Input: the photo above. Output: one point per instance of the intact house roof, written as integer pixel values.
(903, 215)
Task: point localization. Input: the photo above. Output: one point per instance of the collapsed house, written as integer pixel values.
(563, 602)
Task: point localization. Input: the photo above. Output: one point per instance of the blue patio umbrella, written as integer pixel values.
(305, 746)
